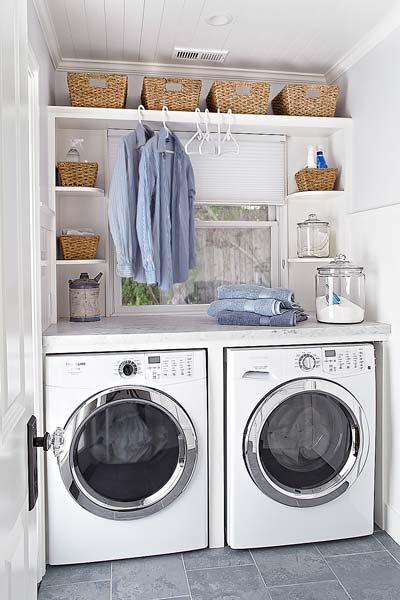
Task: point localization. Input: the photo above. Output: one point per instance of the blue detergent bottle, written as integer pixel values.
(320, 159)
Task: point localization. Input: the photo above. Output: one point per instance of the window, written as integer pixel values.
(236, 238)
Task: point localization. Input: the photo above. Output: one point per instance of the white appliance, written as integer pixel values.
(130, 477)
(300, 427)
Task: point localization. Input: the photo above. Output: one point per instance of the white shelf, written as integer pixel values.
(79, 191)
(93, 261)
(316, 194)
(311, 260)
(73, 117)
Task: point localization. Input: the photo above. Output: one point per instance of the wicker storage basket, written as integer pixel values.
(310, 180)
(78, 174)
(240, 96)
(101, 90)
(311, 100)
(79, 247)
(175, 94)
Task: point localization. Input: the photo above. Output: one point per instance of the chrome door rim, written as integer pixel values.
(115, 510)
(340, 482)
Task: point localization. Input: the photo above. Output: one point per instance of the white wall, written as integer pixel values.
(371, 96)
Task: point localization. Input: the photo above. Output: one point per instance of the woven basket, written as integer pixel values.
(175, 94)
(310, 180)
(311, 100)
(240, 96)
(79, 247)
(77, 174)
(101, 90)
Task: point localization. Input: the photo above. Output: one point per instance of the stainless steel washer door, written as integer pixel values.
(306, 442)
(128, 452)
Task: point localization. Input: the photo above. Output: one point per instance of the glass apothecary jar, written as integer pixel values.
(313, 238)
(340, 292)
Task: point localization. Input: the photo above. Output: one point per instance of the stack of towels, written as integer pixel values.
(256, 305)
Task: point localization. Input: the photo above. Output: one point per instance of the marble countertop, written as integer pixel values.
(160, 331)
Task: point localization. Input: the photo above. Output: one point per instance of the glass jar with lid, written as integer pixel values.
(340, 292)
(313, 238)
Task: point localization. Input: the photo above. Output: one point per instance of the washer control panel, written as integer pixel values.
(344, 360)
(169, 366)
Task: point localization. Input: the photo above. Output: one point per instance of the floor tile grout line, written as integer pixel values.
(220, 567)
(352, 553)
(285, 585)
(52, 585)
(186, 575)
(333, 572)
(259, 572)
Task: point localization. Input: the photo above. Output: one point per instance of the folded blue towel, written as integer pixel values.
(264, 306)
(289, 318)
(255, 292)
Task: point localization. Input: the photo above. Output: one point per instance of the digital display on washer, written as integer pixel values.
(153, 360)
(330, 353)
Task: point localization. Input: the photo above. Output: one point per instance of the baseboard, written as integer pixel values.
(392, 522)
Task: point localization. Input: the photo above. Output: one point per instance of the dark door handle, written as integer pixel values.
(43, 442)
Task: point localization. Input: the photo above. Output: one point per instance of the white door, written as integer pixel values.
(18, 536)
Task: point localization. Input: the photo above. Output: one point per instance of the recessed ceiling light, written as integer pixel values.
(219, 19)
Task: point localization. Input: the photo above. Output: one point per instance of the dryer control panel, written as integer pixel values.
(169, 366)
(345, 360)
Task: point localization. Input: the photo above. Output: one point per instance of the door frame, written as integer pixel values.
(37, 355)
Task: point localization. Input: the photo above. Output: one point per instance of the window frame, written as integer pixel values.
(119, 309)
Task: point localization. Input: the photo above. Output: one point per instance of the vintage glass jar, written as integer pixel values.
(340, 292)
(313, 238)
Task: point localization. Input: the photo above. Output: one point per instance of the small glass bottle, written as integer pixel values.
(340, 292)
(73, 152)
(313, 238)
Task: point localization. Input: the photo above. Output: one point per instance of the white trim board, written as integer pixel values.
(200, 71)
(367, 43)
(49, 32)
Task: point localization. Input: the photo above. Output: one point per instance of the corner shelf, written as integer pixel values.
(311, 260)
(92, 261)
(315, 194)
(79, 191)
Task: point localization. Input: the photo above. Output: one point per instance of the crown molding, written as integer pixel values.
(189, 70)
(50, 36)
(381, 31)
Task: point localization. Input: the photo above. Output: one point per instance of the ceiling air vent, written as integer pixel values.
(217, 56)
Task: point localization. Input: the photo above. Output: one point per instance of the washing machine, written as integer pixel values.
(129, 475)
(300, 441)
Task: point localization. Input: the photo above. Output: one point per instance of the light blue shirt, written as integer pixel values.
(165, 211)
(122, 203)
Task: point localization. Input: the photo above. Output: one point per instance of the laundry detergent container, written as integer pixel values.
(340, 292)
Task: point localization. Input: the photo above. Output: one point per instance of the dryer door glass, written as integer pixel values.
(133, 451)
(303, 442)
(306, 441)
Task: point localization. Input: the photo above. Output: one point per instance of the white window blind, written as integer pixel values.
(255, 176)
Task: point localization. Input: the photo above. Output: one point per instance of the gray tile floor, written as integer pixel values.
(358, 569)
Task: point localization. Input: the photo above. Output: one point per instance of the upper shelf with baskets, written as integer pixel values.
(70, 117)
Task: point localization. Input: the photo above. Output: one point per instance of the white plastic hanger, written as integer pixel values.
(198, 135)
(207, 144)
(229, 140)
(164, 120)
(141, 110)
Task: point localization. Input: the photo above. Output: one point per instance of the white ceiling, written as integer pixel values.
(301, 36)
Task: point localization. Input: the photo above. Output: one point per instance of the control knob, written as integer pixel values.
(127, 368)
(307, 362)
